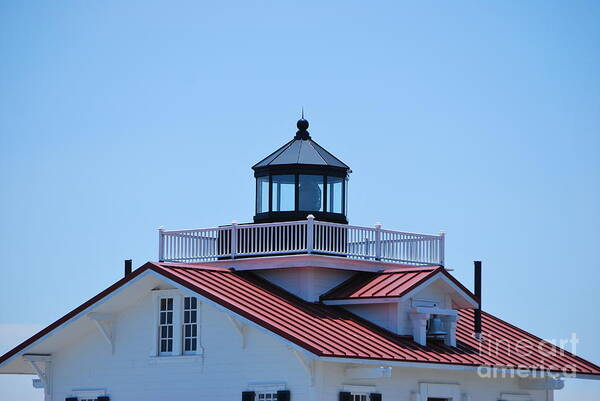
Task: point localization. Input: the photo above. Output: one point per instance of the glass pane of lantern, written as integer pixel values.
(284, 193)
(262, 194)
(311, 192)
(334, 194)
(346, 197)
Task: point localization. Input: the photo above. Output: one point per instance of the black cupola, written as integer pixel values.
(299, 179)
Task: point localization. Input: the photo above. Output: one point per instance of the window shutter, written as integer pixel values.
(345, 396)
(71, 399)
(283, 395)
(375, 397)
(102, 398)
(247, 395)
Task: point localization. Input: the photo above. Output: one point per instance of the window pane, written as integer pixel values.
(346, 197)
(266, 396)
(283, 193)
(334, 194)
(262, 194)
(311, 192)
(165, 329)
(190, 327)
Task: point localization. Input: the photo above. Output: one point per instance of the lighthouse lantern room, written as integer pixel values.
(299, 179)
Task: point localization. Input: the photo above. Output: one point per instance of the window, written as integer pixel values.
(311, 192)
(284, 193)
(262, 194)
(334, 194)
(514, 397)
(165, 327)
(266, 392)
(190, 325)
(439, 391)
(177, 320)
(266, 396)
(89, 395)
(352, 392)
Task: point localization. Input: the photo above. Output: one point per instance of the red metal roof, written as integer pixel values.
(331, 331)
(387, 284)
(334, 332)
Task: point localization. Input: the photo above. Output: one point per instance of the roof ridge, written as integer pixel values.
(368, 282)
(362, 277)
(315, 148)
(320, 148)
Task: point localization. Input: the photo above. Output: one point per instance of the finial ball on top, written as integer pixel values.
(302, 124)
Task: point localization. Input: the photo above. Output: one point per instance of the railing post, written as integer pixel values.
(377, 241)
(234, 239)
(310, 233)
(161, 244)
(442, 246)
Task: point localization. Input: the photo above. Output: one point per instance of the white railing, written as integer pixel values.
(295, 237)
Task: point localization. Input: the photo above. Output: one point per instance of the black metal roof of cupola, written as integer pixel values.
(301, 150)
(301, 178)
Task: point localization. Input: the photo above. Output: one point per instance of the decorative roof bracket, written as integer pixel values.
(104, 323)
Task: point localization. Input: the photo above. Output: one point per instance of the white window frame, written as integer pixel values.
(440, 390)
(359, 391)
(89, 394)
(164, 325)
(265, 388)
(178, 330)
(515, 397)
(271, 393)
(193, 325)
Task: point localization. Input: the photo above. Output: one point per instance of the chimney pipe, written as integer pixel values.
(477, 322)
(127, 267)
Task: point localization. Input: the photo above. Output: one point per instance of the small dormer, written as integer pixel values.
(418, 302)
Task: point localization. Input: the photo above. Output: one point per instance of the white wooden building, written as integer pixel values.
(299, 305)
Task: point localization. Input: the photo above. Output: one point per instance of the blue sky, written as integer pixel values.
(478, 118)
